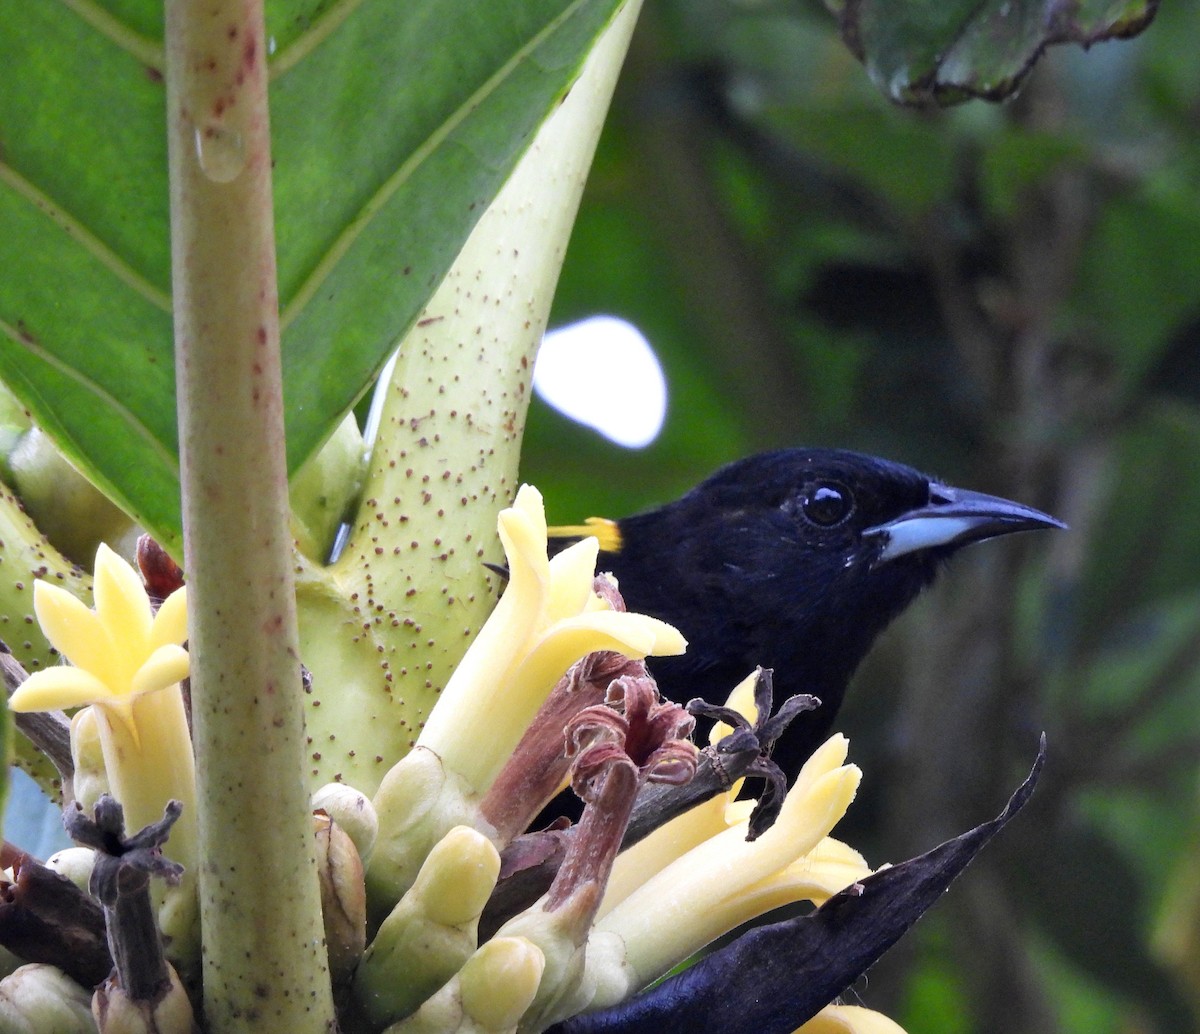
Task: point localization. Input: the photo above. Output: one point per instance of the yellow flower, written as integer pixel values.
(547, 619)
(698, 877)
(120, 650)
(127, 663)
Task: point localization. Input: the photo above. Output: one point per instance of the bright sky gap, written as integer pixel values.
(602, 372)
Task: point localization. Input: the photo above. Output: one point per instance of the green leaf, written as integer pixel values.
(946, 52)
(393, 126)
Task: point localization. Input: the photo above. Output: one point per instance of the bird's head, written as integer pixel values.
(858, 513)
(802, 556)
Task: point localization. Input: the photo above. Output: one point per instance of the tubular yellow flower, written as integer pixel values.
(725, 880)
(127, 662)
(546, 620)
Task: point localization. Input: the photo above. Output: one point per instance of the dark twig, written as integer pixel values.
(44, 917)
(121, 883)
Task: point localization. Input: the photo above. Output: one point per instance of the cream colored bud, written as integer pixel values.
(116, 1013)
(489, 995)
(433, 929)
(458, 877)
(418, 803)
(75, 863)
(499, 982)
(353, 811)
(343, 897)
(87, 752)
(39, 997)
(850, 1019)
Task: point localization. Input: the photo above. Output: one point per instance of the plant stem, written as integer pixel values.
(264, 961)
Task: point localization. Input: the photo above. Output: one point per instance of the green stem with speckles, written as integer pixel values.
(265, 968)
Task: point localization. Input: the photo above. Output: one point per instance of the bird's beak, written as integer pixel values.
(953, 518)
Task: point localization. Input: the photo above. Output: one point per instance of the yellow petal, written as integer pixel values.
(634, 635)
(61, 687)
(828, 868)
(74, 630)
(123, 607)
(850, 1019)
(529, 502)
(741, 700)
(166, 666)
(482, 675)
(668, 640)
(571, 574)
(636, 864)
(522, 529)
(659, 922)
(170, 623)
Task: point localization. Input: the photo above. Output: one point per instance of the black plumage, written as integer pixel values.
(794, 560)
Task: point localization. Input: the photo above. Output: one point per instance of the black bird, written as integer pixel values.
(794, 560)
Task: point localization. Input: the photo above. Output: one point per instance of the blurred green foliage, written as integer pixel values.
(1008, 297)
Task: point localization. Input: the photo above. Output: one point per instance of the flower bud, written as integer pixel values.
(75, 863)
(850, 1019)
(432, 931)
(87, 752)
(115, 1012)
(343, 897)
(489, 995)
(74, 514)
(353, 811)
(324, 489)
(418, 802)
(499, 981)
(39, 998)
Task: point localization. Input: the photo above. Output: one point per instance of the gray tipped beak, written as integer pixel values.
(953, 518)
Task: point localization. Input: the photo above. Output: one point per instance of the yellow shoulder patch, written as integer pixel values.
(607, 532)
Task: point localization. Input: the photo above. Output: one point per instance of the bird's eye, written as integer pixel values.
(826, 503)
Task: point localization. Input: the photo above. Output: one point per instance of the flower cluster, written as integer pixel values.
(440, 914)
